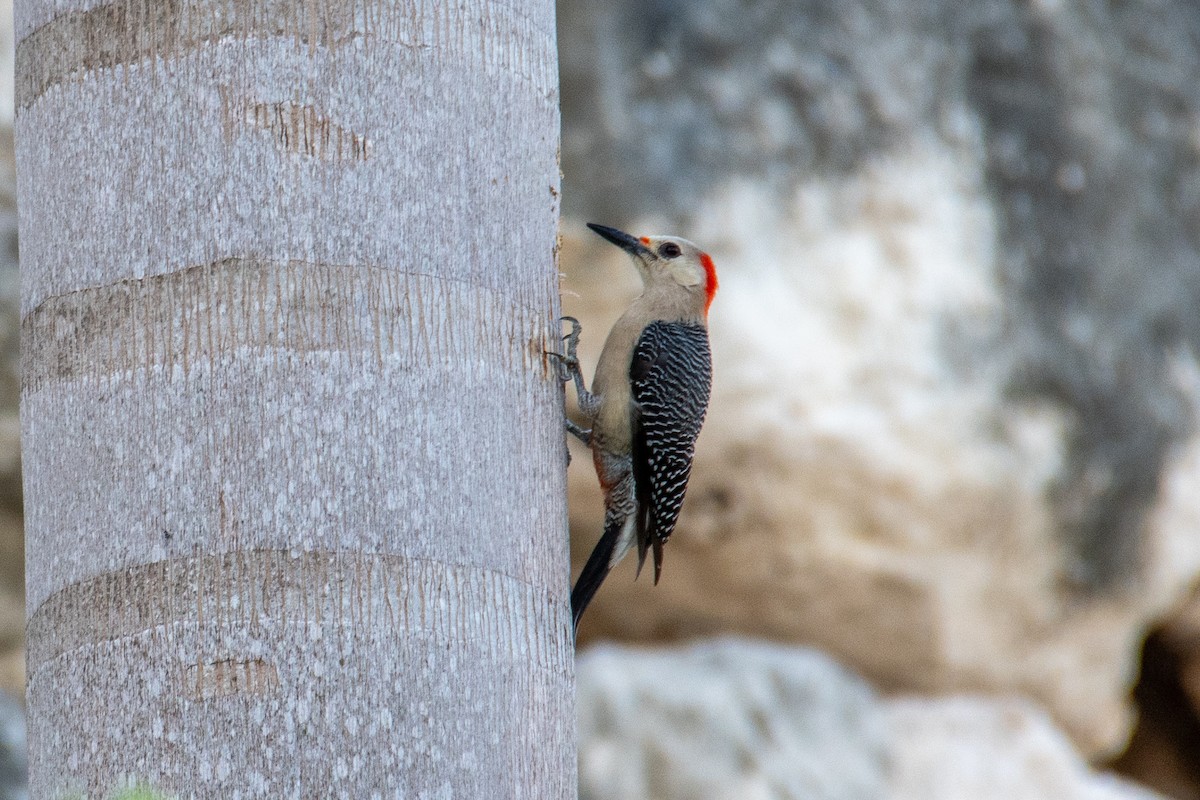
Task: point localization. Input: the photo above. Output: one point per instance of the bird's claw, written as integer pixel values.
(568, 363)
(572, 338)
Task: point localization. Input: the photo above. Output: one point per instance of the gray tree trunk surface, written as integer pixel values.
(293, 457)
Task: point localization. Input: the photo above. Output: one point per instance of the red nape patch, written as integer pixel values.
(710, 274)
(645, 240)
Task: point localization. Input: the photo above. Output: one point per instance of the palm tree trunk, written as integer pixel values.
(293, 456)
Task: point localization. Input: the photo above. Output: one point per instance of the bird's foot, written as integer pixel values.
(568, 363)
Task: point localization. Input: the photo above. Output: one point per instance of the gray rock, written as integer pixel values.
(978, 748)
(725, 720)
(14, 765)
(736, 719)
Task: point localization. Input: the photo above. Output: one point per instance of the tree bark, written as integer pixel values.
(293, 456)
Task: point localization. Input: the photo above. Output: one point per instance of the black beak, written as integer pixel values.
(622, 240)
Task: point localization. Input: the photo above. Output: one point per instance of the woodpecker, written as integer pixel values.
(647, 402)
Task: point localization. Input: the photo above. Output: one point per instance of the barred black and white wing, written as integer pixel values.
(671, 377)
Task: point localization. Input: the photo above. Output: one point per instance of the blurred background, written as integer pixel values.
(12, 537)
(941, 540)
(948, 493)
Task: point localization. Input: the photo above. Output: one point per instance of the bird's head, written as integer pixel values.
(668, 261)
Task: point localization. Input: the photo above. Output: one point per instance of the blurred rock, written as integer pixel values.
(1182, 635)
(12, 535)
(725, 720)
(10, 285)
(10, 321)
(736, 719)
(12, 670)
(1164, 751)
(984, 749)
(951, 439)
(13, 763)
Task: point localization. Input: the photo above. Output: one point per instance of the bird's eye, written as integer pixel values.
(669, 250)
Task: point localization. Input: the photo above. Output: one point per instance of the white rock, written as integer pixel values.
(974, 748)
(725, 720)
(736, 719)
